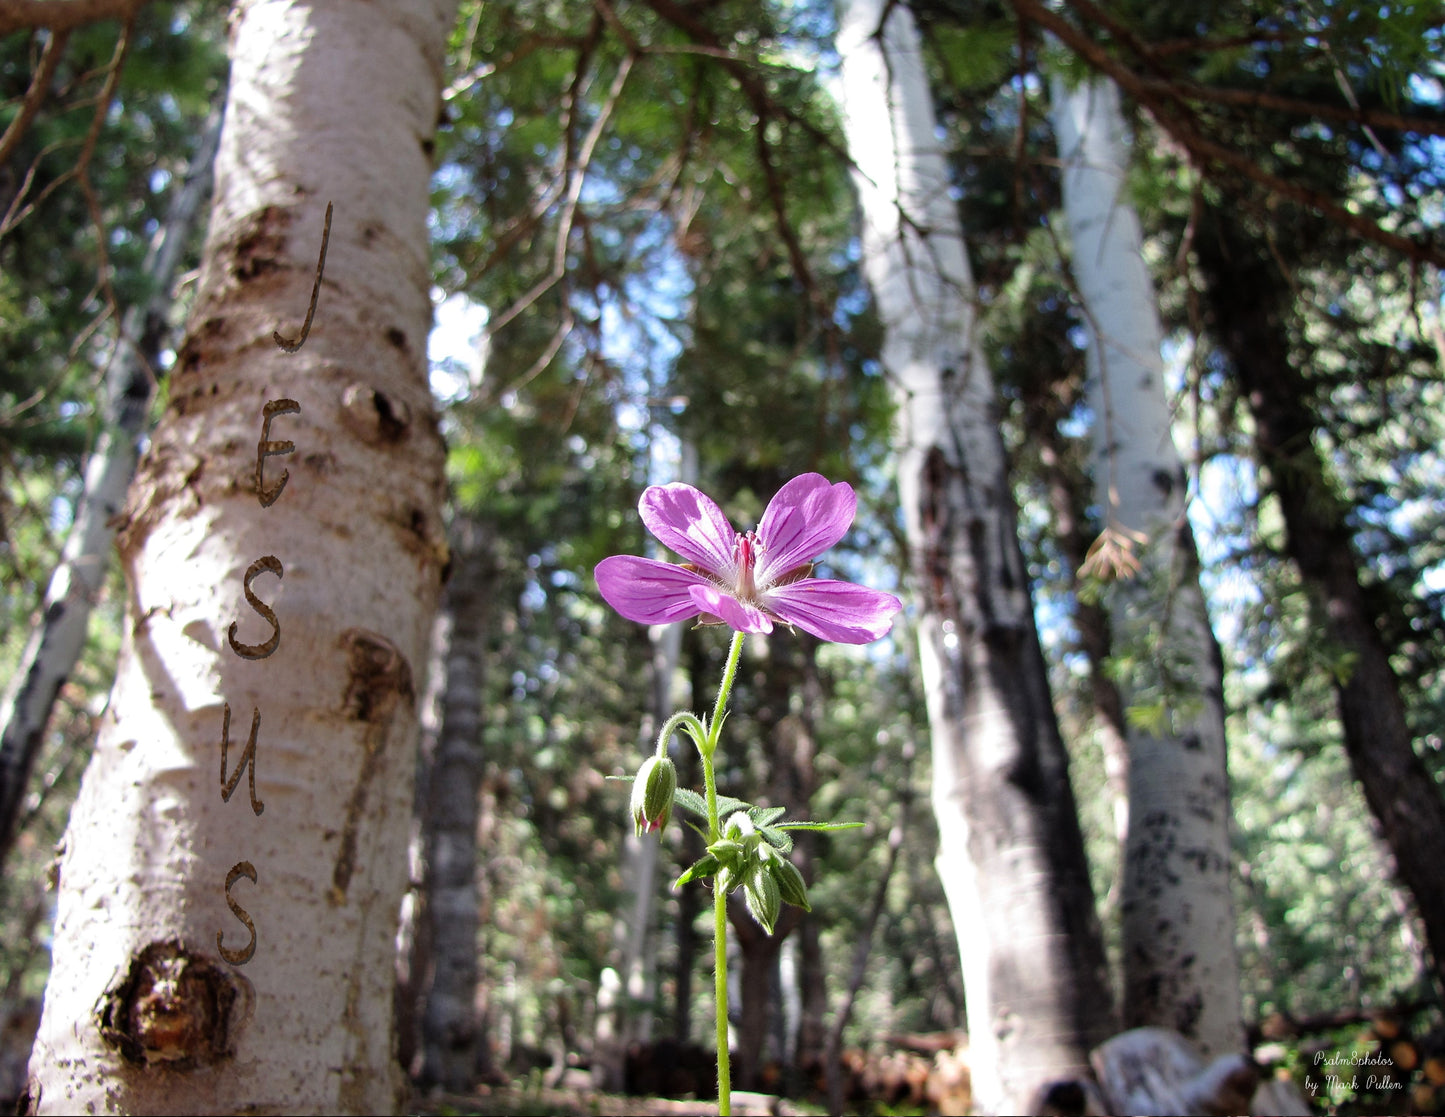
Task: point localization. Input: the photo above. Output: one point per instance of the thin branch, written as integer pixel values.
(87, 149)
(35, 94)
(574, 178)
(1207, 151)
(1093, 15)
(1258, 99)
(63, 15)
(707, 43)
(1210, 46)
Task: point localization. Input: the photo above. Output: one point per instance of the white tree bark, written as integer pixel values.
(211, 955)
(1181, 970)
(1010, 852)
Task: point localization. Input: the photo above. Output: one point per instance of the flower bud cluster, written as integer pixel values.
(741, 858)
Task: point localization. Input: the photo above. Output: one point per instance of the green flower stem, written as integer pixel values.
(719, 895)
(719, 711)
(720, 993)
(681, 720)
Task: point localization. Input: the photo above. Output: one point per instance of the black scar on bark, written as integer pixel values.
(173, 1007)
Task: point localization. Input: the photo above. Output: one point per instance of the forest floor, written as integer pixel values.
(529, 1101)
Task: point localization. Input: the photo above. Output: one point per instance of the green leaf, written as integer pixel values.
(701, 869)
(779, 840)
(727, 805)
(1151, 717)
(690, 801)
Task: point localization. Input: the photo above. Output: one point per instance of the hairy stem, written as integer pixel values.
(719, 895)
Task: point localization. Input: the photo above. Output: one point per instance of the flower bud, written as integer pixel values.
(762, 895)
(738, 826)
(727, 851)
(790, 882)
(652, 793)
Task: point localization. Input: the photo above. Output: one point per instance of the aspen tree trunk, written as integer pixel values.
(1249, 301)
(1045, 403)
(1181, 970)
(217, 954)
(1011, 855)
(56, 643)
(452, 1034)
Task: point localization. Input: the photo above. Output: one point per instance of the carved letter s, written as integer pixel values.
(239, 957)
(258, 651)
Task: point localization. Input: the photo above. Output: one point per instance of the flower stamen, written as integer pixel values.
(745, 554)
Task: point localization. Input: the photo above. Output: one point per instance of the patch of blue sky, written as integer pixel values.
(457, 346)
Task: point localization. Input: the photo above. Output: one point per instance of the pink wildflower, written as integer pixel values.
(748, 581)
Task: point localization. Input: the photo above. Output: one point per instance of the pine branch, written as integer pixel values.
(1211, 157)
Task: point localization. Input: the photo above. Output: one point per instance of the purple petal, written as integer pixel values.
(689, 523)
(805, 518)
(838, 611)
(647, 591)
(728, 609)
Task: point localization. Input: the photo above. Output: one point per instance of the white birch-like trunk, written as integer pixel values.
(1181, 969)
(1010, 851)
(162, 997)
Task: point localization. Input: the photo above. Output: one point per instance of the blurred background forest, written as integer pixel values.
(648, 268)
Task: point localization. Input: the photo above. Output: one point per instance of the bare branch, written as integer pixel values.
(1259, 99)
(574, 176)
(81, 167)
(39, 86)
(63, 15)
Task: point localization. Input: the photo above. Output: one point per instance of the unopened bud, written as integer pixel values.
(738, 826)
(790, 882)
(652, 793)
(762, 895)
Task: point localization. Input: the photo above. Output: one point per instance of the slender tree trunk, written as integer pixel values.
(1181, 969)
(216, 953)
(757, 986)
(1066, 485)
(56, 643)
(624, 1013)
(788, 761)
(833, 1055)
(451, 1031)
(1249, 303)
(1011, 854)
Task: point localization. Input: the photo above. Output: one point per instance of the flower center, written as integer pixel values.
(745, 554)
